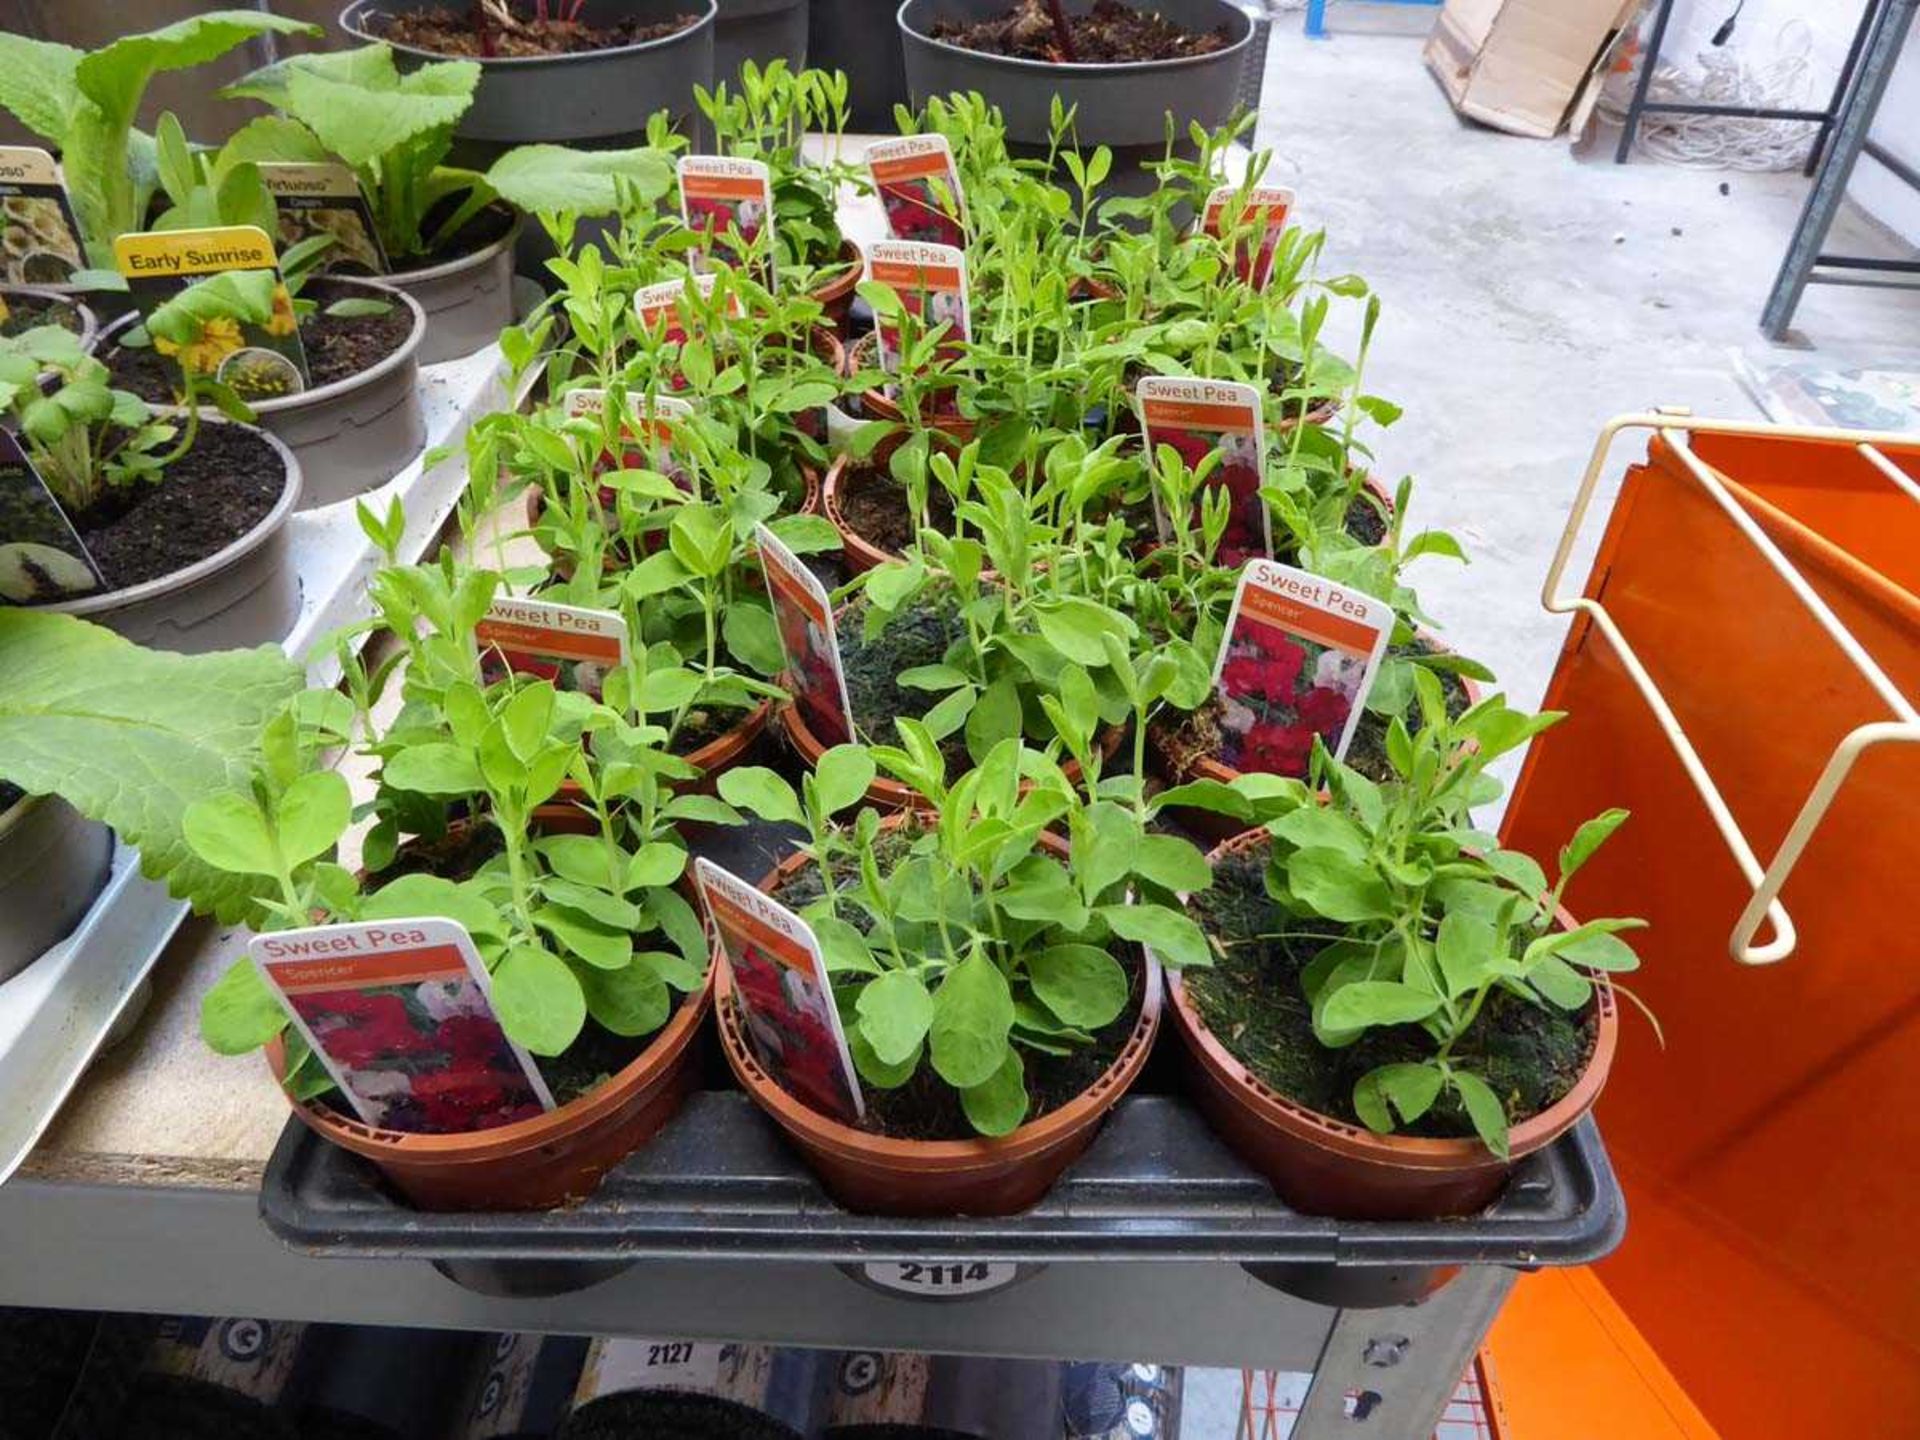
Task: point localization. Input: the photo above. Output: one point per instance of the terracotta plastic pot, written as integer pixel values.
(861, 554)
(874, 1175)
(1322, 1166)
(891, 794)
(877, 405)
(836, 295)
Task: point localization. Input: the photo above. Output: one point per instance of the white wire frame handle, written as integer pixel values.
(1767, 881)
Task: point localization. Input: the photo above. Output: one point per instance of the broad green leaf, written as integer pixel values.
(37, 84)
(591, 902)
(972, 1013)
(1521, 871)
(556, 180)
(313, 814)
(601, 946)
(239, 1013)
(1465, 947)
(756, 788)
(1338, 887)
(363, 123)
(1366, 1003)
(844, 948)
(1169, 861)
(1593, 944)
(435, 768)
(131, 737)
(1561, 983)
(993, 718)
(1173, 936)
(1484, 1109)
(655, 863)
(841, 777)
(1081, 984)
(538, 999)
(998, 1104)
(579, 858)
(228, 831)
(752, 638)
(632, 1000)
(872, 1070)
(1589, 838)
(895, 1014)
(1313, 827)
(415, 896)
(1412, 1089)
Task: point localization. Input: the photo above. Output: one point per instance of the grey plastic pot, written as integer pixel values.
(856, 36)
(467, 301)
(246, 594)
(601, 97)
(356, 434)
(758, 30)
(53, 863)
(1124, 106)
(89, 322)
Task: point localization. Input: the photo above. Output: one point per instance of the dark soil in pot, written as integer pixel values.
(211, 496)
(338, 348)
(926, 1107)
(1364, 521)
(452, 32)
(874, 506)
(484, 229)
(1252, 1002)
(10, 796)
(1109, 34)
(920, 636)
(1195, 734)
(29, 312)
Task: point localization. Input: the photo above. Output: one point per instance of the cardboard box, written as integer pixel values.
(1524, 65)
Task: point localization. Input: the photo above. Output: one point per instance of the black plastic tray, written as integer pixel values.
(719, 1183)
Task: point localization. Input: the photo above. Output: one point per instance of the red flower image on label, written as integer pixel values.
(1277, 749)
(913, 215)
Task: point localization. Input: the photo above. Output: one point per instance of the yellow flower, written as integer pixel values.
(282, 321)
(218, 338)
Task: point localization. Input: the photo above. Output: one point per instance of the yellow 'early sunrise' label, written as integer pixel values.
(194, 252)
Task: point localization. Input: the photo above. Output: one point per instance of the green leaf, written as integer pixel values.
(1412, 1089)
(115, 76)
(358, 105)
(602, 946)
(240, 1013)
(994, 717)
(1565, 986)
(1366, 1003)
(1074, 627)
(1338, 887)
(841, 777)
(435, 768)
(131, 737)
(657, 862)
(972, 1013)
(556, 180)
(752, 638)
(1594, 945)
(1518, 870)
(228, 831)
(538, 999)
(412, 896)
(1465, 947)
(998, 1104)
(843, 947)
(1589, 838)
(579, 858)
(1484, 1109)
(1081, 984)
(1313, 827)
(1169, 861)
(312, 815)
(756, 788)
(632, 1000)
(895, 1014)
(591, 902)
(37, 84)
(1174, 937)
(870, 1067)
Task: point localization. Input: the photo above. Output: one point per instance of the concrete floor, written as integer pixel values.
(1531, 291)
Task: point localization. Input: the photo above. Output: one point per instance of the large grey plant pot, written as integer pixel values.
(244, 595)
(1124, 106)
(468, 301)
(356, 434)
(862, 38)
(89, 322)
(598, 97)
(53, 863)
(760, 31)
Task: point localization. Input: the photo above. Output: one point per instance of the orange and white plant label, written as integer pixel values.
(919, 188)
(1256, 217)
(1197, 418)
(931, 282)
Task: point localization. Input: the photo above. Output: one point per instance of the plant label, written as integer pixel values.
(39, 237)
(41, 555)
(786, 998)
(1256, 219)
(259, 358)
(401, 1014)
(255, 1358)
(931, 281)
(1299, 656)
(326, 199)
(573, 647)
(617, 1365)
(663, 306)
(729, 203)
(940, 1279)
(919, 189)
(647, 438)
(1198, 417)
(803, 613)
